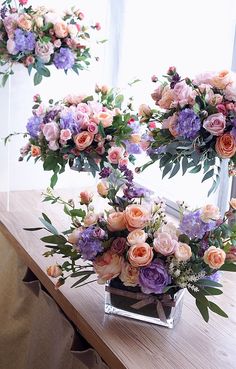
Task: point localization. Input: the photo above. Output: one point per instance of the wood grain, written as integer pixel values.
(121, 342)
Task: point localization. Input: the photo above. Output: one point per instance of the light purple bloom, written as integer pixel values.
(67, 122)
(154, 277)
(135, 126)
(64, 59)
(24, 40)
(89, 246)
(188, 124)
(50, 116)
(33, 125)
(233, 133)
(157, 150)
(215, 277)
(133, 148)
(192, 225)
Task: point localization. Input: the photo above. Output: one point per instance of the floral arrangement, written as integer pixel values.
(83, 131)
(134, 241)
(194, 125)
(38, 38)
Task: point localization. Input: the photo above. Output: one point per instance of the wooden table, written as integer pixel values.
(122, 342)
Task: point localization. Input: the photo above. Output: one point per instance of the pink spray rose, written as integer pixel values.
(215, 124)
(83, 140)
(65, 134)
(114, 154)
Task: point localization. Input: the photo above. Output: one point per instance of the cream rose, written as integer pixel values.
(83, 140)
(107, 266)
(136, 236)
(106, 118)
(215, 124)
(116, 221)
(214, 257)
(73, 31)
(11, 47)
(140, 255)
(136, 217)
(210, 212)
(25, 22)
(54, 271)
(102, 188)
(90, 219)
(74, 235)
(129, 274)
(165, 244)
(61, 29)
(183, 252)
(222, 79)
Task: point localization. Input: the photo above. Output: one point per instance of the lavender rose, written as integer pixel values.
(215, 124)
(154, 277)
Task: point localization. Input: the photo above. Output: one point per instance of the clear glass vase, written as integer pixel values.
(164, 309)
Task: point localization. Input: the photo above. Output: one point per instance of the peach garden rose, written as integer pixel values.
(107, 266)
(214, 257)
(225, 146)
(83, 140)
(140, 254)
(136, 217)
(116, 221)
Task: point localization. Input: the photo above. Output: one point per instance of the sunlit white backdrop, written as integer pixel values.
(144, 38)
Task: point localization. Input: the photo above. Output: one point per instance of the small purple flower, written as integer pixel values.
(135, 126)
(3, 12)
(133, 148)
(88, 245)
(50, 116)
(154, 277)
(127, 173)
(188, 124)
(157, 150)
(105, 172)
(175, 79)
(193, 226)
(24, 40)
(135, 192)
(233, 133)
(33, 125)
(67, 122)
(215, 277)
(64, 59)
(118, 245)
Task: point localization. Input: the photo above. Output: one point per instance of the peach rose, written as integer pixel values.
(170, 123)
(214, 257)
(165, 244)
(85, 197)
(105, 118)
(116, 221)
(140, 255)
(183, 252)
(61, 29)
(210, 212)
(135, 138)
(102, 188)
(35, 151)
(65, 134)
(225, 146)
(24, 21)
(215, 124)
(136, 217)
(83, 140)
(129, 274)
(11, 47)
(54, 271)
(157, 94)
(136, 236)
(167, 99)
(114, 154)
(233, 203)
(144, 109)
(107, 266)
(90, 219)
(222, 79)
(74, 236)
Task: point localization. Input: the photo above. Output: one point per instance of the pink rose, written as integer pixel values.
(183, 252)
(44, 50)
(86, 197)
(51, 131)
(83, 140)
(210, 212)
(140, 255)
(10, 24)
(105, 118)
(92, 127)
(95, 107)
(230, 92)
(11, 47)
(82, 119)
(73, 99)
(23, 2)
(123, 161)
(29, 60)
(167, 98)
(107, 266)
(114, 154)
(54, 271)
(183, 94)
(53, 145)
(74, 236)
(83, 108)
(157, 94)
(204, 78)
(61, 29)
(215, 124)
(90, 219)
(165, 244)
(65, 134)
(129, 274)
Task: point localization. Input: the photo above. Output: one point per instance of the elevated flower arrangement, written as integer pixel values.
(194, 124)
(83, 131)
(41, 37)
(142, 255)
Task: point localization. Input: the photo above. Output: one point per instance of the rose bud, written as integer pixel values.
(54, 271)
(86, 197)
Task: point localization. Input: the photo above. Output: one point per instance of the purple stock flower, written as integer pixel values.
(89, 245)
(127, 173)
(105, 172)
(188, 124)
(50, 116)
(3, 12)
(154, 277)
(24, 40)
(33, 125)
(64, 59)
(131, 192)
(193, 226)
(67, 122)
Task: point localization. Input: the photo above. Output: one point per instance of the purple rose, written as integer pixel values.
(154, 277)
(118, 245)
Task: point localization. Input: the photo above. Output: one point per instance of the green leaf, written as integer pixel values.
(49, 226)
(119, 100)
(101, 130)
(216, 309)
(184, 164)
(45, 217)
(175, 170)
(77, 213)
(45, 71)
(4, 79)
(53, 180)
(203, 310)
(37, 78)
(210, 291)
(208, 175)
(229, 267)
(214, 186)
(208, 283)
(167, 169)
(196, 169)
(81, 280)
(82, 272)
(33, 229)
(55, 239)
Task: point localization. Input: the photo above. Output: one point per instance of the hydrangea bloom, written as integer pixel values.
(64, 59)
(188, 124)
(33, 125)
(133, 148)
(24, 41)
(193, 226)
(50, 116)
(89, 245)
(67, 122)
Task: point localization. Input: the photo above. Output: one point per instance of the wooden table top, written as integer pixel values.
(122, 342)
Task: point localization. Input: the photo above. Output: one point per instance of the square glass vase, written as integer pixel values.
(164, 309)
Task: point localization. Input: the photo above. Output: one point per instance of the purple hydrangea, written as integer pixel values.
(188, 124)
(105, 172)
(215, 277)
(154, 277)
(64, 59)
(24, 40)
(33, 125)
(135, 126)
(67, 122)
(50, 116)
(133, 148)
(193, 226)
(88, 244)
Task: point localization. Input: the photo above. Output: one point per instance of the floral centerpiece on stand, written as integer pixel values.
(145, 259)
(83, 131)
(38, 38)
(194, 125)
